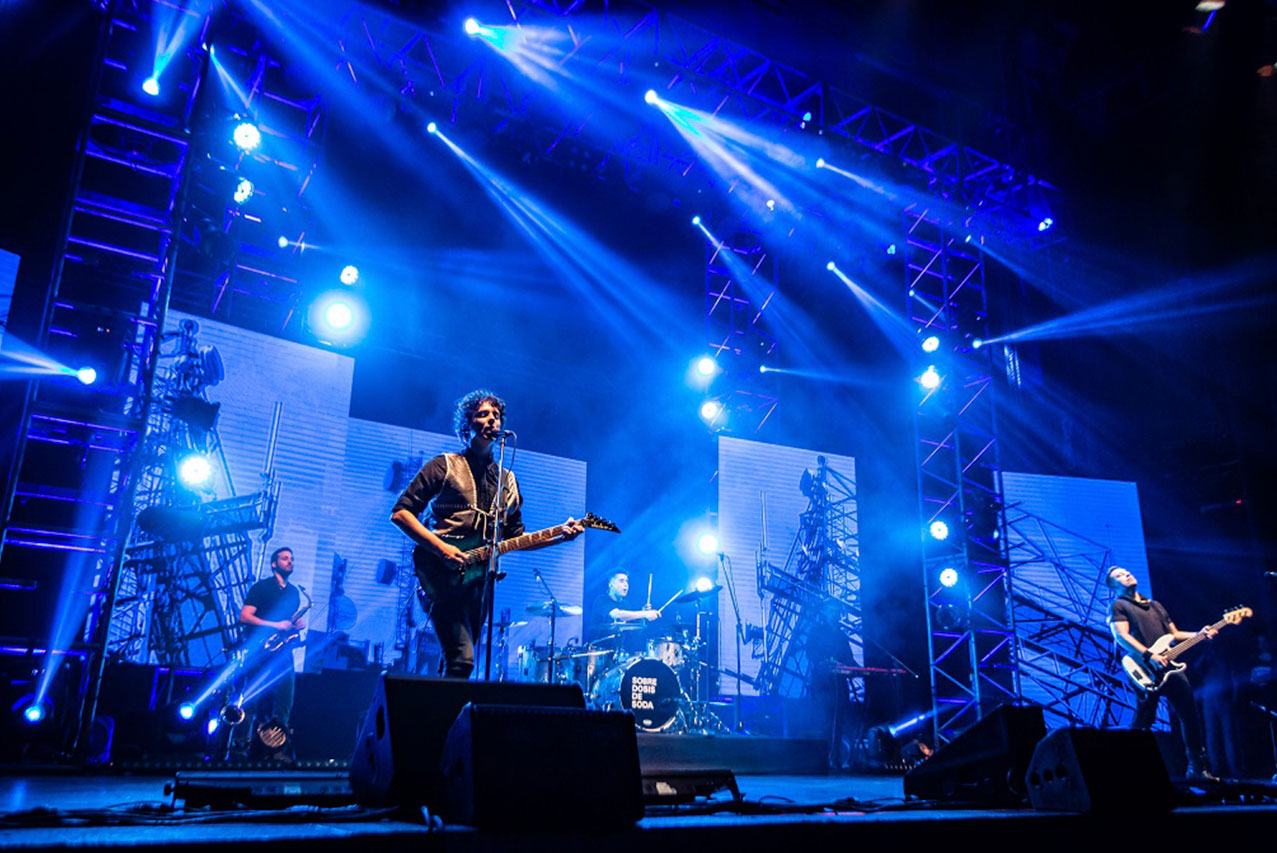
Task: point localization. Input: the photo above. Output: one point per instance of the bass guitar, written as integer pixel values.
(1149, 676)
(438, 576)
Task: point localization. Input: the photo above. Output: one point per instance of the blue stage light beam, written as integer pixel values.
(151, 86)
(230, 86)
(897, 330)
(174, 27)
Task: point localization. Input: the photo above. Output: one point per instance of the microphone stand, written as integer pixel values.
(726, 564)
(489, 579)
(554, 614)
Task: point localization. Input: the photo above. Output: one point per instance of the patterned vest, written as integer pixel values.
(455, 510)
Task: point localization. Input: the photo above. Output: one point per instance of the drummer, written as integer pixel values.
(613, 613)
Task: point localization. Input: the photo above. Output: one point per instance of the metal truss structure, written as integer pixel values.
(189, 560)
(822, 570)
(1060, 607)
(971, 632)
(740, 280)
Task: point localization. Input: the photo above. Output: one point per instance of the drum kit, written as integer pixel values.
(653, 673)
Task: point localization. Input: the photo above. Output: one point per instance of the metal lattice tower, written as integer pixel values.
(740, 278)
(971, 637)
(822, 567)
(1060, 604)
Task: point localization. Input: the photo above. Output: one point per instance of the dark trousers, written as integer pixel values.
(457, 616)
(1179, 693)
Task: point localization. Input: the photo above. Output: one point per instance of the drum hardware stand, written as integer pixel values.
(554, 616)
(729, 576)
(494, 539)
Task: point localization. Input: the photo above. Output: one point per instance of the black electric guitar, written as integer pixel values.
(437, 575)
(1149, 676)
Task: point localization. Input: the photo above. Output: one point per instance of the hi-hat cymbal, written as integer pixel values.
(545, 608)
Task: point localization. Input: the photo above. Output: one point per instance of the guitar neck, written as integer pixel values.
(517, 543)
(1192, 641)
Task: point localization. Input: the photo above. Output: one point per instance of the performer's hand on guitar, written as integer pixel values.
(572, 529)
(1210, 631)
(1160, 660)
(451, 554)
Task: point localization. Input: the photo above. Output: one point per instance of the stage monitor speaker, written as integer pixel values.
(517, 767)
(396, 758)
(1099, 770)
(985, 764)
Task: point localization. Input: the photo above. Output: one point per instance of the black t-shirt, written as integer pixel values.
(600, 621)
(430, 481)
(1148, 619)
(273, 602)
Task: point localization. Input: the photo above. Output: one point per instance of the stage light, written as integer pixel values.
(948, 577)
(213, 724)
(33, 713)
(762, 368)
(1210, 5)
(194, 470)
(151, 86)
(282, 242)
(707, 543)
(696, 220)
(939, 530)
(704, 584)
(807, 116)
(771, 204)
(472, 27)
(977, 343)
(432, 128)
(1045, 224)
(706, 366)
(186, 711)
(349, 274)
(891, 250)
(820, 162)
(339, 316)
(651, 97)
(831, 266)
(87, 375)
(967, 239)
(243, 190)
(247, 136)
(930, 379)
(931, 343)
(711, 409)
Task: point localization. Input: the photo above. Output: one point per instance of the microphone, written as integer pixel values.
(499, 433)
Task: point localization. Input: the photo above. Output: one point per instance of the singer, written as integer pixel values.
(461, 491)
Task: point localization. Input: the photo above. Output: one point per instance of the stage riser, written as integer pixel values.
(741, 755)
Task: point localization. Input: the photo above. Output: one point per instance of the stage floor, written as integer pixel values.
(778, 813)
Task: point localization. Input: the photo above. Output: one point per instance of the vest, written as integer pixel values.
(455, 511)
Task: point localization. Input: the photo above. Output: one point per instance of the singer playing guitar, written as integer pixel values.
(461, 490)
(1137, 622)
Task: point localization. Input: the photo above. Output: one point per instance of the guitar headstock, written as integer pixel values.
(597, 523)
(1237, 614)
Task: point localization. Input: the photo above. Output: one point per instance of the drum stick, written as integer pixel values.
(671, 601)
(649, 590)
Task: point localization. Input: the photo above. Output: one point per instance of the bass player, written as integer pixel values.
(1137, 622)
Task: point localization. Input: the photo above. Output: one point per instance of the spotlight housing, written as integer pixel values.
(706, 366)
(651, 97)
(939, 530)
(349, 274)
(1046, 224)
(186, 710)
(696, 220)
(948, 577)
(977, 343)
(194, 470)
(472, 27)
(151, 86)
(707, 543)
(87, 375)
(831, 266)
(704, 584)
(246, 136)
(432, 128)
(282, 242)
(243, 191)
(820, 162)
(931, 343)
(711, 409)
(33, 713)
(339, 315)
(930, 378)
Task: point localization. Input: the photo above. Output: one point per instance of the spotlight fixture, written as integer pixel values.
(472, 27)
(696, 220)
(87, 375)
(930, 378)
(432, 128)
(243, 190)
(707, 543)
(704, 584)
(939, 530)
(282, 242)
(948, 577)
(820, 162)
(706, 366)
(349, 274)
(247, 136)
(931, 343)
(33, 713)
(186, 710)
(339, 316)
(711, 409)
(831, 266)
(151, 86)
(651, 97)
(1045, 224)
(891, 249)
(194, 470)
(976, 343)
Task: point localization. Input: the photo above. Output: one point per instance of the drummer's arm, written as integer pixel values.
(619, 615)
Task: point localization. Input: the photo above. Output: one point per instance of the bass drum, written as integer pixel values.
(645, 687)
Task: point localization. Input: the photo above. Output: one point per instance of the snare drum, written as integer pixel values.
(647, 688)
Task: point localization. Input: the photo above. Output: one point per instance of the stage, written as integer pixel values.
(116, 811)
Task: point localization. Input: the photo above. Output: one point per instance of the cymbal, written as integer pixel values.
(627, 626)
(697, 595)
(545, 608)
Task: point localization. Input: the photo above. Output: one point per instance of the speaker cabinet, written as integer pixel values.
(985, 764)
(1099, 770)
(516, 767)
(396, 758)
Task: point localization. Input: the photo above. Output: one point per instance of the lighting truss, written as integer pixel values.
(971, 636)
(823, 567)
(737, 329)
